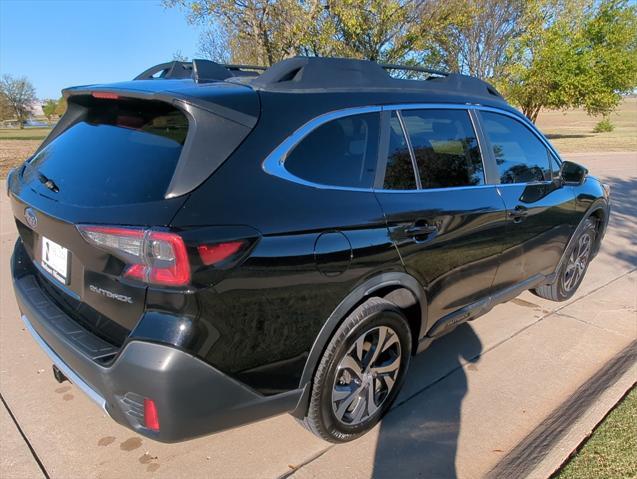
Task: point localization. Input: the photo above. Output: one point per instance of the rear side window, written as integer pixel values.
(121, 152)
(445, 147)
(342, 152)
(520, 155)
(399, 173)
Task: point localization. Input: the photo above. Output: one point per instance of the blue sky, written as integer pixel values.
(61, 43)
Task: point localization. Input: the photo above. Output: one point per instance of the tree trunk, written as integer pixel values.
(531, 111)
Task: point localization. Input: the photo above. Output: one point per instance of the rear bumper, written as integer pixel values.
(192, 398)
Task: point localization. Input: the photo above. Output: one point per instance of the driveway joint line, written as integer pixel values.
(555, 312)
(309, 460)
(593, 325)
(472, 359)
(24, 437)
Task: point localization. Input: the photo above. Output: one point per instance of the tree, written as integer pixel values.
(49, 108)
(179, 57)
(258, 31)
(213, 45)
(611, 35)
(264, 32)
(475, 39)
(60, 109)
(573, 54)
(6, 113)
(20, 95)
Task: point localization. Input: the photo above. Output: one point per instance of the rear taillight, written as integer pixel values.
(161, 257)
(216, 253)
(151, 417)
(155, 257)
(105, 95)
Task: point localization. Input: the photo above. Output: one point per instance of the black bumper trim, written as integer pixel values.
(193, 398)
(62, 366)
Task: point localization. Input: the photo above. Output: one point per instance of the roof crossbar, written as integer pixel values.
(201, 71)
(167, 70)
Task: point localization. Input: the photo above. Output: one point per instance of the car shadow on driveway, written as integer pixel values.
(418, 438)
(622, 216)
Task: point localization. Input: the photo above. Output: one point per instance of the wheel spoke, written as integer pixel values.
(388, 368)
(378, 347)
(390, 341)
(348, 362)
(359, 410)
(345, 403)
(360, 345)
(389, 382)
(341, 393)
(371, 401)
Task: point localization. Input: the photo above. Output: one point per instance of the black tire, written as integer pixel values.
(373, 316)
(564, 286)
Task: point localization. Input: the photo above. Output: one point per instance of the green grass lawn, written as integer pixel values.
(611, 451)
(26, 134)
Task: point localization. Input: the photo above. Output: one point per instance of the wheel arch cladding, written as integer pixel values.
(599, 212)
(401, 289)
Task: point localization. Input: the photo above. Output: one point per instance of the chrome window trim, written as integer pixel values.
(412, 154)
(274, 162)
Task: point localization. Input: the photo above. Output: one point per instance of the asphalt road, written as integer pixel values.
(511, 394)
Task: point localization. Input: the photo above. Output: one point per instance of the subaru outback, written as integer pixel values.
(209, 245)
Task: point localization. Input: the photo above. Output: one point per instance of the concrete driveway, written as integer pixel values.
(508, 395)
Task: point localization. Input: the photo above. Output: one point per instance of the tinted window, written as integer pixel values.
(520, 155)
(445, 146)
(342, 152)
(122, 152)
(399, 173)
(555, 166)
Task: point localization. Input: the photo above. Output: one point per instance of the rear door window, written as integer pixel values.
(445, 147)
(342, 152)
(122, 152)
(520, 155)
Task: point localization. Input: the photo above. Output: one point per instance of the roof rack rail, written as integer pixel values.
(344, 74)
(393, 66)
(234, 66)
(201, 71)
(320, 74)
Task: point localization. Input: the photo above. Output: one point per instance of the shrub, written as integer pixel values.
(604, 126)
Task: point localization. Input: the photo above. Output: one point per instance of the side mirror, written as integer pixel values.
(572, 173)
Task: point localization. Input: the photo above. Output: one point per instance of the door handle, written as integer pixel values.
(518, 213)
(420, 230)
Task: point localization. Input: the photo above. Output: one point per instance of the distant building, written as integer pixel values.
(36, 108)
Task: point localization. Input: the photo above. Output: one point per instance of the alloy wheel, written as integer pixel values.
(366, 375)
(577, 262)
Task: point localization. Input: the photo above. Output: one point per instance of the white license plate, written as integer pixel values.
(55, 259)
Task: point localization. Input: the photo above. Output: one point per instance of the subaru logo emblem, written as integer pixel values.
(32, 219)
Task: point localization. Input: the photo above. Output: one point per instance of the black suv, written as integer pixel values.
(206, 246)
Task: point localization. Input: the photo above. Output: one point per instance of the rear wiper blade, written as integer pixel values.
(49, 183)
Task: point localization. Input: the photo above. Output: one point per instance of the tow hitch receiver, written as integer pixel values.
(59, 375)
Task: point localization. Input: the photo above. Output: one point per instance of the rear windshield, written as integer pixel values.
(122, 152)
